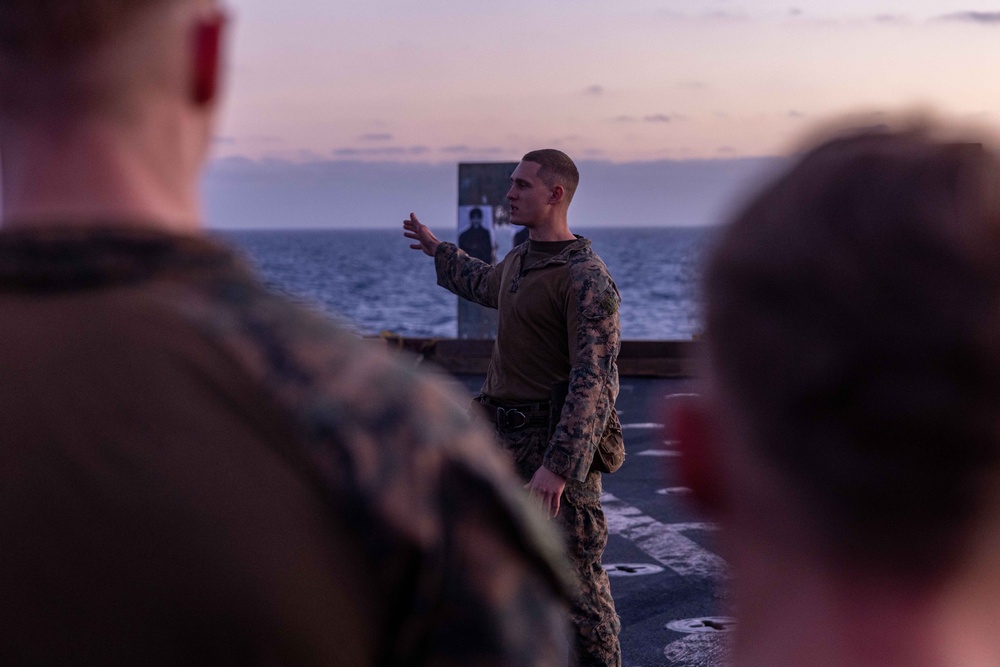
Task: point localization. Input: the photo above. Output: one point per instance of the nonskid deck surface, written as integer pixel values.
(666, 576)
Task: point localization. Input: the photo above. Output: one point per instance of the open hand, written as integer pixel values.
(420, 233)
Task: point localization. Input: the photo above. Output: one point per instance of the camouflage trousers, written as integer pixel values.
(586, 533)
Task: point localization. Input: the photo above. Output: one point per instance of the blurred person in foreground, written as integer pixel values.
(553, 377)
(847, 438)
(195, 470)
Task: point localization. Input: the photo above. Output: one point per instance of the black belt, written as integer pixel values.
(513, 416)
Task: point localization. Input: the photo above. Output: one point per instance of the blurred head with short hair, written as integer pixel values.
(849, 432)
(107, 107)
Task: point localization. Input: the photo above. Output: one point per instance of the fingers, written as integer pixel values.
(413, 224)
(538, 499)
(550, 504)
(548, 501)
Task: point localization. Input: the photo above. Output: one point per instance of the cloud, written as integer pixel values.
(717, 16)
(982, 18)
(594, 91)
(387, 151)
(796, 114)
(306, 155)
(224, 141)
(891, 19)
(726, 16)
(469, 150)
(623, 119)
(692, 85)
(723, 15)
(264, 139)
(376, 136)
(352, 193)
(658, 118)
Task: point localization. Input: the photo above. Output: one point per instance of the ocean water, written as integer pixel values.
(374, 282)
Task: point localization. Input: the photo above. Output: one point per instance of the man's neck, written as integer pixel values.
(798, 614)
(553, 229)
(96, 174)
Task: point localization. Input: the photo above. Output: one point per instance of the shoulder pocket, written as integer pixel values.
(604, 305)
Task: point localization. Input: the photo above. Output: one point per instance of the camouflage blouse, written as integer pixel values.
(558, 320)
(462, 570)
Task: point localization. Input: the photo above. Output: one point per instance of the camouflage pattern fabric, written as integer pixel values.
(470, 573)
(590, 342)
(589, 351)
(585, 532)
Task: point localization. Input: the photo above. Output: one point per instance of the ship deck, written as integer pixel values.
(666, 574)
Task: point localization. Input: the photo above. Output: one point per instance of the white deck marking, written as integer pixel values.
(701, 650)
(631, 569)
(646, 425)
(674, 491)
(703, 624)
(665, 543)
(658, 452)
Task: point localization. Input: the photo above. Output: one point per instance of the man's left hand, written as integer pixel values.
(547, 487)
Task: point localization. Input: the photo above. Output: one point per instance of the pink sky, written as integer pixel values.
(444, 81)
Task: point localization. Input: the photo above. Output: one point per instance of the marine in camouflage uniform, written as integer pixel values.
(175, 405)
(558, 320)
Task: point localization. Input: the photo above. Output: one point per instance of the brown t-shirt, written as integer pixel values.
(196, 471)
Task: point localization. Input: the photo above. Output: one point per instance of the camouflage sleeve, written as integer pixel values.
(495, 607)
(594, 340)
(465, 572)
(467, 276)
(486, 594)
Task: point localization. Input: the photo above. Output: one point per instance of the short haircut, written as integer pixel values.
(42, 40)
(556, 169)
(52, 30)
(853, 320)
(476, 213)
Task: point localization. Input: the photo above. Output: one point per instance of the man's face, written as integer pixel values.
(528, 195)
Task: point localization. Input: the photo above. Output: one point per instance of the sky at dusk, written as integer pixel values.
(394, 93)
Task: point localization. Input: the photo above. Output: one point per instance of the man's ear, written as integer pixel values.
(690, 424)
(206, 49)
(558, 192)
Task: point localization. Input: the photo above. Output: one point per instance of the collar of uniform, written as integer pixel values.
(69, 257)
(559, 258)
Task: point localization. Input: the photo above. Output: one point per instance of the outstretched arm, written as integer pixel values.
(425, 240)
(457, 272)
